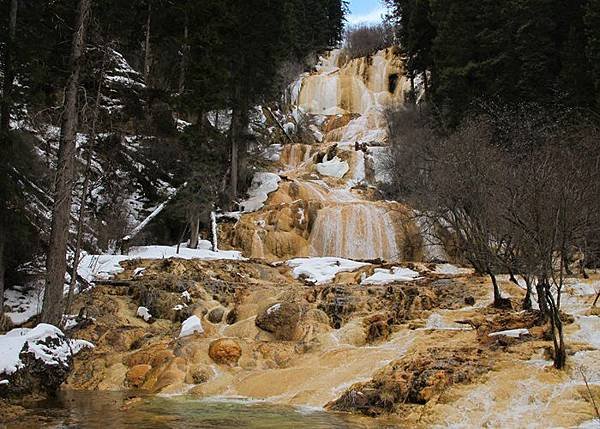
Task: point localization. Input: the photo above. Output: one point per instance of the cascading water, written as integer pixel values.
(354, 231)
(317, 211)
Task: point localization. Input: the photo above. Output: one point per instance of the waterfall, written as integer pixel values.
(354, 231)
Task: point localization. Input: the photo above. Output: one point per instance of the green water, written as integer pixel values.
(115, 411)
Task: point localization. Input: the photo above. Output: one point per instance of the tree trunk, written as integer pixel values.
(56, 261)
(2, 272)
(147, 51)
(85, 189)
(243, 149)
(541, 293)
(195, 229)
(234, 136)
(9, 73)
(497, 295)
(527, 300)
(213, 231)
(558, 339)
(184, 56)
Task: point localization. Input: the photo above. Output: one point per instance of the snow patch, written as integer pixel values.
(514, 333)
(102, 267)
(190, 326)
(13, 342)
(273, 308)
(262, 185)
(384, 276)
(23, 303)
(451, 269)
(333, 168)
(143, 313)
(321, 270)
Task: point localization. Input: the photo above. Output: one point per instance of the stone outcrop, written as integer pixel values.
(415, 379)
(280, 319)
(225, 351)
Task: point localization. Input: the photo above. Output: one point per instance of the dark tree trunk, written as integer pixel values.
(9, 72)
(194, 229)
(184, 56)
(527, 300)
(558, 339)
(541, 293)
(497, 294)
(147, 48)
(85, 189)
(2, 272)
(56, 261)
(234, 137)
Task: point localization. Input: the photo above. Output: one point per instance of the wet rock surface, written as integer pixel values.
(281, 319)
(414, 379)
(416, 342)
(225, 351)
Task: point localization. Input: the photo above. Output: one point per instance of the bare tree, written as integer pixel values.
(365, 40)
(518, 188)
(56, 261)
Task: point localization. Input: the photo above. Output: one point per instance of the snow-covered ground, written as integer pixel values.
(23, 303)
(94, 267)
(321, 270)
(384, 276)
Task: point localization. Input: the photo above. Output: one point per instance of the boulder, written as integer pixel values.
(225, 351)
(36, 360)
(413, 379)
(280, 319)
(136, 376)
(216, 315)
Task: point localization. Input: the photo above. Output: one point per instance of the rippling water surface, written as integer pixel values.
(117, 410)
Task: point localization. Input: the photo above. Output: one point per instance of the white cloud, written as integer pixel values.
(372, 17)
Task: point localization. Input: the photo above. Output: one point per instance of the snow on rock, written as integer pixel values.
(272, 152)
(333, 168)
(143, 313)
(23, 303)
(384, 276)
(451, 269)
(318, 135)
(263, 184)
(320, 270)
(190, 326)
(289, 128)
(514, 333)
(43, 346)
(436, 322)
(94, 267)
(273, 308)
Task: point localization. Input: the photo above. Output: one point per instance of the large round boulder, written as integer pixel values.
(280, 319)
(225, 351)
(216, 315)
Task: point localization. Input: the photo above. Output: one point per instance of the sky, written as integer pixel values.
(365, 11)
